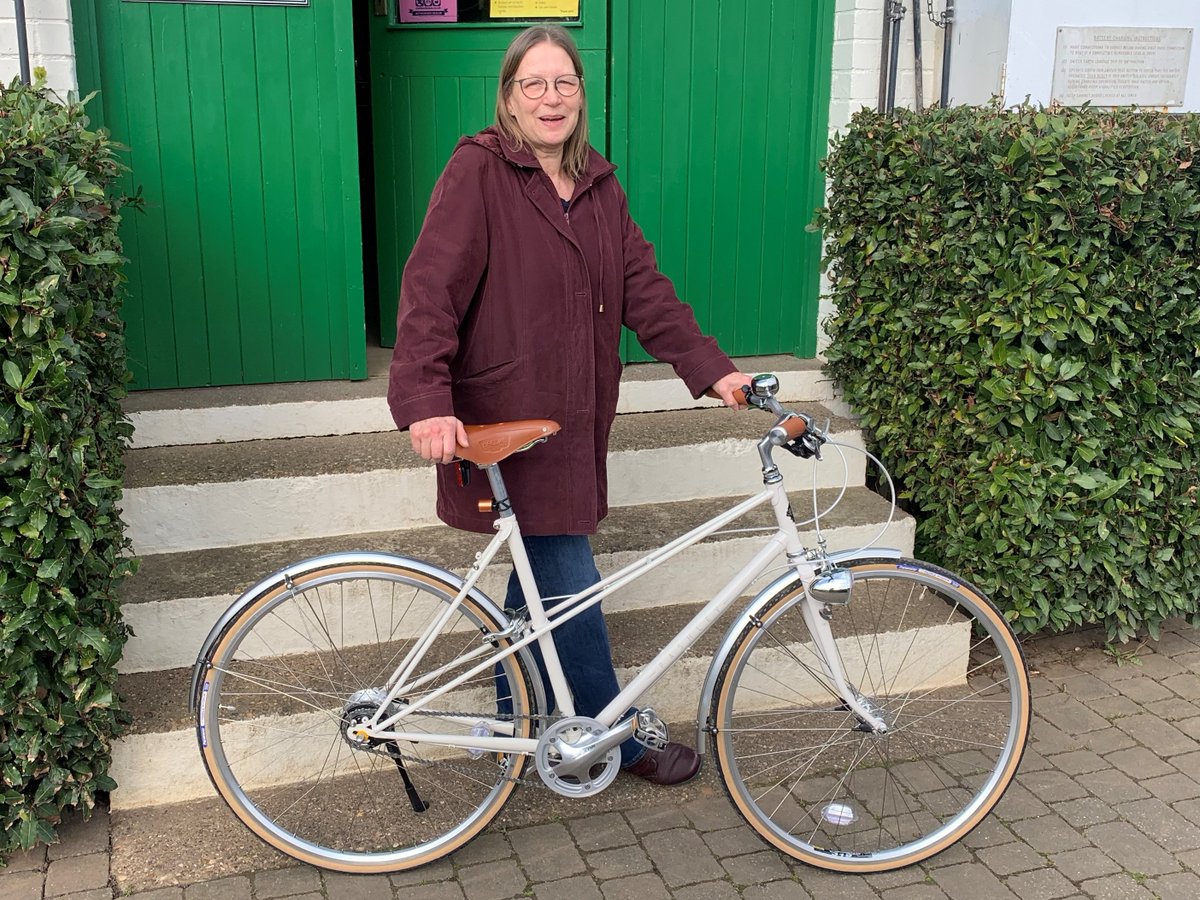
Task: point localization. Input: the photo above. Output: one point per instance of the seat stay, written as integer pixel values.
(396, 683)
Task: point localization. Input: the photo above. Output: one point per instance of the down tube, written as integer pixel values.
(666, 657)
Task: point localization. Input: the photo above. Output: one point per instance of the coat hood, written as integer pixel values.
(493, 141)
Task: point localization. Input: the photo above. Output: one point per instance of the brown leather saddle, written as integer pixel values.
(492, 443)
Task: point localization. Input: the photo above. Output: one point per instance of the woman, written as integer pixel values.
(511, 307)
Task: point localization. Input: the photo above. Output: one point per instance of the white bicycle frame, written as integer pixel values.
(786, 540)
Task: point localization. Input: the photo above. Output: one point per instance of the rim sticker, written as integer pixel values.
(203, 716)
(908, 567)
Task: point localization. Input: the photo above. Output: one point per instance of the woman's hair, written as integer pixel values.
(575, 150)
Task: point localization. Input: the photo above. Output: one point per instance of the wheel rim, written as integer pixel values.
(954, 694)
(282, 687)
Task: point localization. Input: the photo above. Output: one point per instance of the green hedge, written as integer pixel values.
(1018, 322)
(62, 549)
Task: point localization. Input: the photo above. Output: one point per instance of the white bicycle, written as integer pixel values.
(365, 712)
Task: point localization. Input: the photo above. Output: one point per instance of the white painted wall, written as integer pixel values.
(1034, 29)
(1007, 46)
(51, 45)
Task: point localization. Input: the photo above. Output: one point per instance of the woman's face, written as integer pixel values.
(548, 121)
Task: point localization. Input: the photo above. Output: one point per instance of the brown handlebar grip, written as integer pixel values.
(794, 428)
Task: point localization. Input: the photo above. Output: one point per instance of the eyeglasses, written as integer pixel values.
(535, 88)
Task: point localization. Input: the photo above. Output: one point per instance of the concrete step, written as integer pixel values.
(309, 409)
(175, 598)
(158, 761)
(190, 498)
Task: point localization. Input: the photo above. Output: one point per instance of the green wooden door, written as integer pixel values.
(431, 84)
(246, 265)
(719, 117)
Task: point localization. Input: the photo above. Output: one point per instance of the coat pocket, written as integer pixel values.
(487, 375)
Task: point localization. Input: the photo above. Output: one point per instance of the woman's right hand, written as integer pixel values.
(435, 439)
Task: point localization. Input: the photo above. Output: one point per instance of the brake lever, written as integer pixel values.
(808, 445)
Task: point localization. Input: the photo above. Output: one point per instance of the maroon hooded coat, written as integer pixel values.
(511, 309)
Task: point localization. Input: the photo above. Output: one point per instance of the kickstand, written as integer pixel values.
(418, 805)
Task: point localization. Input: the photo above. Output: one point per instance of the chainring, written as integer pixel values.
(559, 763)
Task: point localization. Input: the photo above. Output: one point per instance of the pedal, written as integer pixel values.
(651, 731)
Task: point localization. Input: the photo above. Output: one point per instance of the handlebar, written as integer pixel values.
(793, 431)
(795, 427)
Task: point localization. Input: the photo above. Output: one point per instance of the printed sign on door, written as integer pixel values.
(428, 10)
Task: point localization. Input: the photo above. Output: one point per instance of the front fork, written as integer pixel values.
(824, 590)
(815, 614)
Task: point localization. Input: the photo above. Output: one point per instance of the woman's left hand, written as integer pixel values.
(729, 390)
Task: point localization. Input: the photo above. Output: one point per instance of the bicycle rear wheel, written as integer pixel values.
(307, 657)
(934, 657)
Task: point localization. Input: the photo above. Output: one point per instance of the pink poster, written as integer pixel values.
(428, 10)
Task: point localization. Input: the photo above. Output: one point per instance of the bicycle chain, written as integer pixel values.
(429, 764)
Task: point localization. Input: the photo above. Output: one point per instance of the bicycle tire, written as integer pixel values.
(283, 679)
(957, 705)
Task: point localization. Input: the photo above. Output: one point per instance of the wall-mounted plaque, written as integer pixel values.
(1121, 66)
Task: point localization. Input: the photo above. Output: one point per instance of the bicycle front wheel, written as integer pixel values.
(310, 657)
(937, 662)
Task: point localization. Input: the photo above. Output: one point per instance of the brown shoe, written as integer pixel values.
(674, 764)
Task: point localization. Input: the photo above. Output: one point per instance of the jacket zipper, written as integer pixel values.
(567, 217)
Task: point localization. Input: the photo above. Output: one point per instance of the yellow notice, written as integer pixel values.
(535, 9)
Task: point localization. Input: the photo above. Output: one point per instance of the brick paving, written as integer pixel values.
(1106, 805)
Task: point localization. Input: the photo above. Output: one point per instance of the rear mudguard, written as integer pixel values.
(784, 584)
(452, 585)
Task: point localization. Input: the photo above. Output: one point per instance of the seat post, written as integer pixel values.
(499, 492)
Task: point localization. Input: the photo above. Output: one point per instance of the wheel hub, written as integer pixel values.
(360, 708)
(874, 709)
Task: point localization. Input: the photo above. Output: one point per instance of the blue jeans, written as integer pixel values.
(564, 565)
